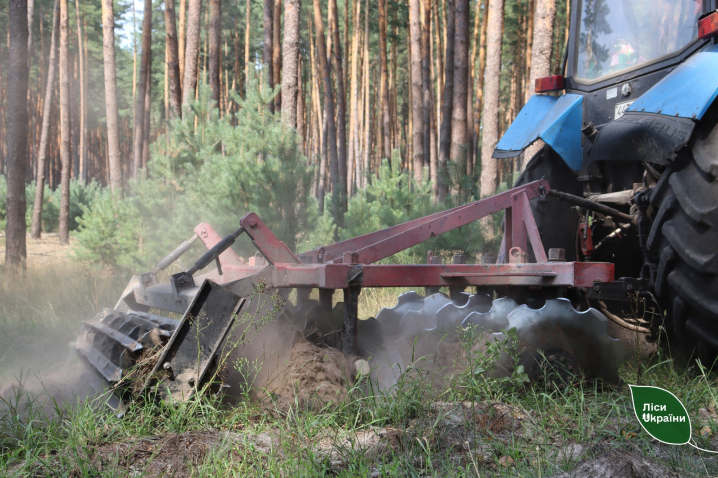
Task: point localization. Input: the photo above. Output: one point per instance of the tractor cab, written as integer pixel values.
(617, 51)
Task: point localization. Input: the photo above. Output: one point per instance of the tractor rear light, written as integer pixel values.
(708, 26)
(549, 83)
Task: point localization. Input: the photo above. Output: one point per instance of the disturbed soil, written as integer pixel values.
(315, 376)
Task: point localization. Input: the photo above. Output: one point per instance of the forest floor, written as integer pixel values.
(416, 429)
(44, 251)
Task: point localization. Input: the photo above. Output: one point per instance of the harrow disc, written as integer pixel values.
(553, 340)
(557, 341)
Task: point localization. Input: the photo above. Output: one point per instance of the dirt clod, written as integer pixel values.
(315, 376)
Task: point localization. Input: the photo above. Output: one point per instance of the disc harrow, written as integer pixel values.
(114, 342)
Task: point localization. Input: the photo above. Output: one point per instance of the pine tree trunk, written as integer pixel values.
(540, 54)
(459, 137)
(290, 62)
(277, 52)
(384, 79)
(65, 158)
(417, 90)
(354, 100)
(448, 98)
(147, 121)
(113, 127)
(300, 101)
(189, 82)
(145, 60)
(47, 105)
(82, 126)
(215, 49)
(30, 15)
(181, 39)
(490, 113)
(16, 136)
(471, 153)
(529, 42)
(268, 51)
(341, 107)
(237, 80)
(134, 60)
(478, 105)
(247, 30)
(173, 63)
(426, 83)
(331, 138)
(363, 161)
(542, 42)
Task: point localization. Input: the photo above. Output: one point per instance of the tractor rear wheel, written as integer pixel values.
(684, 239)
(557, 222)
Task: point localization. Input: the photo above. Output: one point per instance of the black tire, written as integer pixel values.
(684, 240)
(557, 222)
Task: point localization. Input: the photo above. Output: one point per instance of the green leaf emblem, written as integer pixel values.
(661, 414)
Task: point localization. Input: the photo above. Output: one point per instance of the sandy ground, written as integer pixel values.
(44, 251)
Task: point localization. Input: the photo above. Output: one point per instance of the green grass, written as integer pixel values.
(476, 424)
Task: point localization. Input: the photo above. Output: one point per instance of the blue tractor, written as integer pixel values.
(631, 125)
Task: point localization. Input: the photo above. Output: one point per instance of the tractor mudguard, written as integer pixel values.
(687, 91)
(557, 120)
(661, 121)
(648, 137)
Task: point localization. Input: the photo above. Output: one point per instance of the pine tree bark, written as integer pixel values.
(426, 82)
(384, 79)
(290, 62)
(173, 69)
(490, 115)
(237, 80)
(459, 137)
(542, 42)
(301, 106)
(112, 116)
(16, 136)
(363, 162)
(277, 52)
(215, 49)
(189, 82)
(47, 105)
(478, 105)
(448, 101)
(417, 90)
(65, 133)
(147, 121)
(268, 50)
(145, 63)
(247, 29)
(331, 136)
(341, 106)
(181, 38)
(530, 42)
(471, 152)
(354, 100)
(83, 102)
(30, 15)
(540, 54)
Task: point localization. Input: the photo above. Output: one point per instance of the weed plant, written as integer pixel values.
(252, 439)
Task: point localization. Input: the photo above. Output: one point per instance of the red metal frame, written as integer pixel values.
(351, 263)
